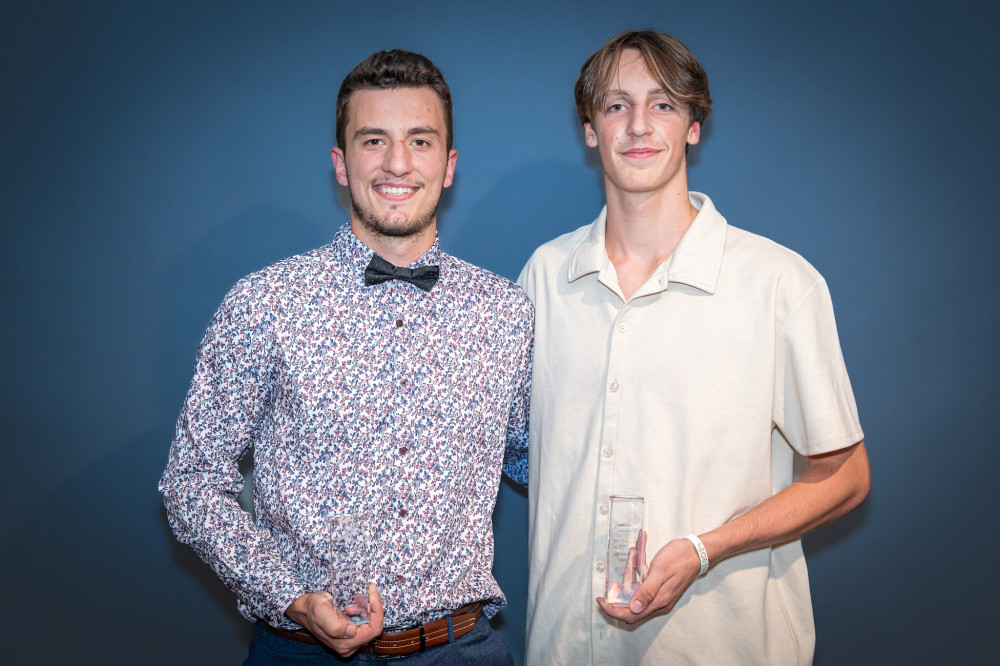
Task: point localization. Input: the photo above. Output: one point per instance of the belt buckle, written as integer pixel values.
(394, 628)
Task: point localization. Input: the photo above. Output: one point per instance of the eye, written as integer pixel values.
(421, 143)
(374, 141)
(663, 106)
(614, 108)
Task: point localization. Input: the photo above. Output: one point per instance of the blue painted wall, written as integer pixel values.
(154, 154)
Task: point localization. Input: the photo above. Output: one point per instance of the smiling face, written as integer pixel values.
(641, 133)
(395, 162)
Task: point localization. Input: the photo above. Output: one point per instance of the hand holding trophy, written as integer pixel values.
(626, 566)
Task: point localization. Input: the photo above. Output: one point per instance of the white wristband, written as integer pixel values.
(702, 553)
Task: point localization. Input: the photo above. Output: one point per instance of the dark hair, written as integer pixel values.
(386, 70)
(670, 62)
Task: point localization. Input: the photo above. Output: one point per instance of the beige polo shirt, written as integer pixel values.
(693, 394)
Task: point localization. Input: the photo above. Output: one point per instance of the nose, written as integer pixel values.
(638, 124)
(397, 159)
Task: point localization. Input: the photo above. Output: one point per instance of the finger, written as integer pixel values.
(360, 610)
(617, 612)
(350, 631)
(614, 592)
(354, 637)
(643, 562)
(641, 598)
(336, 638)
(375, 598)
(606, 607)
(375, 605)
(326, 620)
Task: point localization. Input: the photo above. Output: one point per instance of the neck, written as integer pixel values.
(397, 250)
(643, 230)
(648, 224)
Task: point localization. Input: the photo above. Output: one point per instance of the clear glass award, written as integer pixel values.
(350, 566)
(626, 566)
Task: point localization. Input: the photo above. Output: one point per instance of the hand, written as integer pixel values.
(672, 571)
(316, 613)
(636, 569)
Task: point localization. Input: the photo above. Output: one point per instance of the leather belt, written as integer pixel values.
(403, 640)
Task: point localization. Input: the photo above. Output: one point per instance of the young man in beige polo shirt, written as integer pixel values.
(684, 360)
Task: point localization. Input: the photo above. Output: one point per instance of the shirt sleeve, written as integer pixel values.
(814, 405)
(515, 464)
(221, 419)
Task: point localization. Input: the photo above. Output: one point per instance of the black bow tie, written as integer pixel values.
(379, 270)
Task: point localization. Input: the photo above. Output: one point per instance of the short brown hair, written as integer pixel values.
(386, 70)
(670, 62)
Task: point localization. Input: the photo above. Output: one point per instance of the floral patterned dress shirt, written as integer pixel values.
(385, 401)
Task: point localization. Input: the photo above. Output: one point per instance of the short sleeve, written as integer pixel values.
(814, 405)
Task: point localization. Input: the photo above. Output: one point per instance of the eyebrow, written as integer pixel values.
(376, 131)
(651, 91)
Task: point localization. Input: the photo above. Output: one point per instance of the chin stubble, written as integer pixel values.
(386, 226)
(393, 224)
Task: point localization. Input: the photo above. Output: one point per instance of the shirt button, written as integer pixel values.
(399, 322)
(622, 327)
(603, 509)
(613, 387)
(600, 567)
(403, 450)
(402, 513)
(608, 452)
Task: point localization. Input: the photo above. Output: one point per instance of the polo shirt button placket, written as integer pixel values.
(617, 351)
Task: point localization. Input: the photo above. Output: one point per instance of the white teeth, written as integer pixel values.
(396, 191)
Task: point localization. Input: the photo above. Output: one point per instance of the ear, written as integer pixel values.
(589, 135)
(339, 165)
(694, 133)
(449, 171)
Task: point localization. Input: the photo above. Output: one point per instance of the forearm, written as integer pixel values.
(832, 486)
(515, 463)
(200, 486)
(220, 421)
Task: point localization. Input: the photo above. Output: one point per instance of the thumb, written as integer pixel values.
(641, 597)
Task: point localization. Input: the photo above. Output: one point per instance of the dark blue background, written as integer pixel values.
(153, 155)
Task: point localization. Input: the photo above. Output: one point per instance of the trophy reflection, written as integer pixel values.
(626, 566)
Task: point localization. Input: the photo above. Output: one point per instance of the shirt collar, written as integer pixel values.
(696, 261)
(355, 256)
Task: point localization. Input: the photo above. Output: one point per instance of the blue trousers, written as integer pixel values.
(480, 647)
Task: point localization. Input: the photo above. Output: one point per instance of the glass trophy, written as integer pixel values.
(626, 566)
(350, 549)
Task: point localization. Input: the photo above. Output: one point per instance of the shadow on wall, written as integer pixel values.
(192, 289)
(106, 571)
(814, 543)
